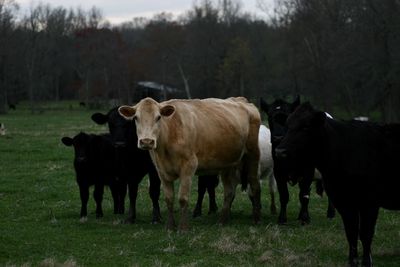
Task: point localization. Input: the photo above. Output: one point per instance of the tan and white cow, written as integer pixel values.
(208, 136)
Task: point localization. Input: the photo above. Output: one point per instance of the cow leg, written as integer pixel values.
(350, 217)
(84, 194)
(98, 197)
(272, 190)
(283, 198)
(256, 199)
(132, 190)
(154, 191)
(211, 185)
(115, 196)
(183, 197)
(201, 190)
(122, 190)
(368, 217)
(118, 196)
(229, 181)
(250, 170)
(168, 188)
(331, 209)
(304, 197)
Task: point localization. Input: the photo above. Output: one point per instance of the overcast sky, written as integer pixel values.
(117, 11)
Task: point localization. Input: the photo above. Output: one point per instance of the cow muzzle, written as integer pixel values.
(281, 153)
(277, 138)
(147, 143)
(119, 144)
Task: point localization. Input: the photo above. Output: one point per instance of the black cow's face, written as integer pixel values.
(81, 144)
(278, 113)
(120, 129)
(299, 148)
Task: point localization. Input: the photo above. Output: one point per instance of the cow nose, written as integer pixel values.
(277, 138)
(81, 159)
(281, 153)
(119, 144)
(146, 143)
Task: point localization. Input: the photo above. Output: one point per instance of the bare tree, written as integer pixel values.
(7, 9)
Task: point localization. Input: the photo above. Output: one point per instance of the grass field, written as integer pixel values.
(39, 215)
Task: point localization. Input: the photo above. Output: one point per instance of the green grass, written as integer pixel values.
(39, 215)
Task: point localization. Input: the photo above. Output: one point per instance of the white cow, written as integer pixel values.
(266, 164)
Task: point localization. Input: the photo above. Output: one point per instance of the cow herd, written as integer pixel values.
(224, 139)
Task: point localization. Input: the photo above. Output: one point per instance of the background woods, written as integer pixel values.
(342, 55)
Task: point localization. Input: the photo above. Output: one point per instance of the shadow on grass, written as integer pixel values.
(389, 257)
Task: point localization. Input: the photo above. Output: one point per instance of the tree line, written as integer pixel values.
(340, 54)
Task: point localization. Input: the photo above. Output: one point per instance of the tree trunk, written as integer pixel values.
(185, 82)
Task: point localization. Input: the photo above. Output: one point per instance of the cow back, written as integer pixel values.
(215, 130)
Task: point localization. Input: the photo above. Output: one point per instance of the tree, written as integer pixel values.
(7, 9)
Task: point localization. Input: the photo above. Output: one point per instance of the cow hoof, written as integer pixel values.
(171, 227)
(183, 228)
(304, 218)
(223, 220)
(210, 212)
(305, 222)
(196, 213)
(83, 219)
(282, 221)
(330, 215)
(119, 212)
(156, 221)
(273, 210)
(129, 221)
(353, 264)
(213, 209)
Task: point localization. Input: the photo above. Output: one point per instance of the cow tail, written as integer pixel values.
(243, 176)
(319, 187)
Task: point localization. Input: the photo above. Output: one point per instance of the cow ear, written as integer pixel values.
(296, 102)
(264, 105)
(319, 118)
(67, 141)
(167, 110)
(127, 112)
(99, 118)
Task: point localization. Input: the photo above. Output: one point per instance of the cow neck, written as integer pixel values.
(170, 131)
(321, 155)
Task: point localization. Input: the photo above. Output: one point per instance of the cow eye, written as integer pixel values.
(135, 118)
(158, 118)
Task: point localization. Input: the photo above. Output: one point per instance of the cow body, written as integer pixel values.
(209, 136)
(278, 112)
(132, 164)
(265, 169)
(358, 163)
(94, 166)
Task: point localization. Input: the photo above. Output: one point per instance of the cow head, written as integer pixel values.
(147, 114)
(278, 112)
(300, 146)
(122, 131)
(81, 144)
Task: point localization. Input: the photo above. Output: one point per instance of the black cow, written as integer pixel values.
(133, 163)
(359, 166)
(206, 183)
(93, 165)
(2, 129)
(277, 113)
